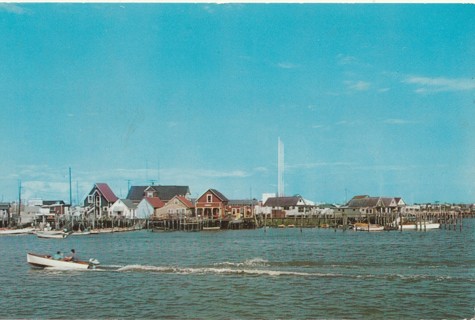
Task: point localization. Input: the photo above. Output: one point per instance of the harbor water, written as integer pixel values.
(247, 274)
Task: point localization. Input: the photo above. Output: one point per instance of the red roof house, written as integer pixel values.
(100, 199)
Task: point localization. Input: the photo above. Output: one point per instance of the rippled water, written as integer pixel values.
(280, 273)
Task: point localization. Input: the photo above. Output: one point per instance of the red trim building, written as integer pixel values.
(211, 205)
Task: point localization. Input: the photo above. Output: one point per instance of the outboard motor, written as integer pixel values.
(93, 263)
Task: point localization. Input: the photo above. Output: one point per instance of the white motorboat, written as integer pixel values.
(411, 223)
(52, 234)
(81, 233)
(211, 228)
(420, 226)
(43, 261)
(7, 231)
(366, 227)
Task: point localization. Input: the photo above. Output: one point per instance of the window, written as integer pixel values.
(209, 198)
(149, 194)
(89, 198)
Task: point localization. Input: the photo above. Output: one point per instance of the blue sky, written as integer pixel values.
(367, 99)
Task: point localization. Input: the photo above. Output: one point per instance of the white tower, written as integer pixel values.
(280, 168)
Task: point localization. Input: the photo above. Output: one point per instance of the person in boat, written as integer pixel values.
(58, 256)
(72, 257)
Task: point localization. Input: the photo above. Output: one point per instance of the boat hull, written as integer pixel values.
(83, 233)
(211, 228)
(16, 231)
(365, 227)
(43, 261)
(422, 226)
(51, 234)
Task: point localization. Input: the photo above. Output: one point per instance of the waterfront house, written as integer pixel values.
(57, 207)
(148, 207)
(178, 207)
(294, 206)
(242, 209)
(123, 209)
(211, 205)
(165, 193)
(362, 205)
(99, 200)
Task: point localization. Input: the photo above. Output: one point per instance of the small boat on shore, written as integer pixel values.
(8, 231)
(43, 261)
(412, 223)
(211, 228)
(52, 234)
(429, 225)
(367, 227)
(81, 233)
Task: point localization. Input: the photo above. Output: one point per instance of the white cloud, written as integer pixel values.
(222, 174)
(12, 8)
(440, 84)
(345, 59)
(287, 65)
(261, 169)
(311, 165)
(358, 85)
(348, 123)
(398, 121)
(318, 126)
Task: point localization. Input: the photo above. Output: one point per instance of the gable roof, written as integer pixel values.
(155, 202)
(282, 201)
(185, 201)
(245, 202)
(218, 194)
(53, 202)
(165, 193)
(129, 203)
(106, 192)
(367, 201)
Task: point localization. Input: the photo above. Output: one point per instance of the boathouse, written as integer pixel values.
(178, 207)
(242, 209)
(295, 206)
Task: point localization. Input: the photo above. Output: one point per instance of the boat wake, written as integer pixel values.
(257, 267)
(245, 270)
(215, 270)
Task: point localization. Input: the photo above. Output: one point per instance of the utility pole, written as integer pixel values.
(70, 189)
(19, 201)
